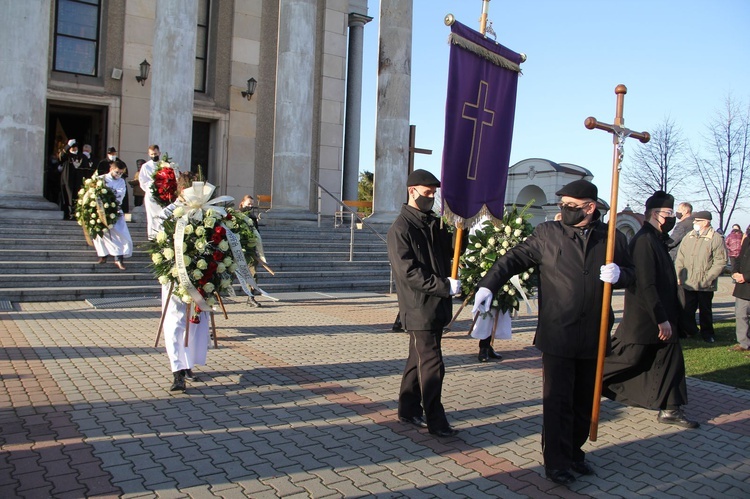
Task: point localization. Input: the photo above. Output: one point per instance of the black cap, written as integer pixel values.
(660, 199)
(422, 177)
(579, 189)
(702, 215)
(111, 150)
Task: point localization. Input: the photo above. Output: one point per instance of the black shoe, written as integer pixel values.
(494, 355)
(445, 432)
(417, 421)
(710, 339)
(562, 477)
(676, 417)
(582, 468)
(179, 382)
(191, 376)
(102, 259)
(251, 301)
(484, 355)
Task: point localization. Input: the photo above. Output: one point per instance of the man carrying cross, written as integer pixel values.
(568, 254)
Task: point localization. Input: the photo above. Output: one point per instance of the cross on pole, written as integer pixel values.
(619, 134)
(481, 116)
(414, 150)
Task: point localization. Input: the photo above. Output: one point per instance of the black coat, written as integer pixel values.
(652, 298)
(742, 265)
(570, 291)
(420, 254)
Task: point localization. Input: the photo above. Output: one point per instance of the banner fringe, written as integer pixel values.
(467, 223)
(482, 52)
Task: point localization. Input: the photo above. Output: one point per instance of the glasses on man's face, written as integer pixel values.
(573, 206)
(666, 213)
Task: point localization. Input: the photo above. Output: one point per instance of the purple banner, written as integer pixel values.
(479, 113)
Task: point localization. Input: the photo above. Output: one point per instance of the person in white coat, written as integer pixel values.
(182, 358)
(116, 241)
(145, 179)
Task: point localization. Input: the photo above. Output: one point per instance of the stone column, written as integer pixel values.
(23, 93)
(295, 87)
(394, 94)
(353, 105)
(172, 78)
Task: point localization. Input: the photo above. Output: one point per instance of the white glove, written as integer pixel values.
(482, 301)
(455, 286)
(71, 142)
(610, 273)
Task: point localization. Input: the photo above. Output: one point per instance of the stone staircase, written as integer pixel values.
(50, 261)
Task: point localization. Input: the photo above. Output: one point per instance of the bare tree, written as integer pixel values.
(657, 165)
(724, 167)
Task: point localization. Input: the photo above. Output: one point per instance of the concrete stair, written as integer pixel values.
(50, 261)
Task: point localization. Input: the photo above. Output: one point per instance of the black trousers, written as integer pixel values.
(700, 300)
(422, 382)
(567, 399)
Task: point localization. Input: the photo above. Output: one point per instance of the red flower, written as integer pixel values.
(218, 256)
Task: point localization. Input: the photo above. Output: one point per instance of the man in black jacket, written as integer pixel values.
(419, 250)
(741, 293)
(646, 367)
(570, 255)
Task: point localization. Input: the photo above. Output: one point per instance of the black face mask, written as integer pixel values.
(155, 157)
(668, 224)
(572, 216)
(424, 204)
(679, 215)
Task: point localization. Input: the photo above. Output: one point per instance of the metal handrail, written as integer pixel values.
(347, 208)
(351, 227)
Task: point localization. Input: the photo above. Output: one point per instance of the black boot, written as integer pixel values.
(190, 375)
(484, 354)
(179, 381)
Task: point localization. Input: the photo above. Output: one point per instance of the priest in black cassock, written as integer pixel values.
(646, 367)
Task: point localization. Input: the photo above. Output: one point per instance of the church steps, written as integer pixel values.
(50, 260)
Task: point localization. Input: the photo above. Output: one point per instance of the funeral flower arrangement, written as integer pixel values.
(96, 207)
(486, 245)
(244, 227)
(164, 186)
(200, 248)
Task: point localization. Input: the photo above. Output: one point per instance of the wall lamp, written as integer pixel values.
(251, 83)
(145, 68)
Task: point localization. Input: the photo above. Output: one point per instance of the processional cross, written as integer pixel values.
(619, 133)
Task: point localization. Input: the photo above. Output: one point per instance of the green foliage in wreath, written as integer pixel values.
(491, 242)
(96, 207)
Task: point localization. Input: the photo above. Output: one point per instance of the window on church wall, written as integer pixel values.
(201, 45)
(76, 47)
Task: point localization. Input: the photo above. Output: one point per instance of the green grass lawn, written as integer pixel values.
(714, 362)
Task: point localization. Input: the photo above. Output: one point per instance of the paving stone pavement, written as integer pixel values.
(299, 400)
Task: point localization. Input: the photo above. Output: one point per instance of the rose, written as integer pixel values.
(224, 245)
(163, 279)
(221, 268)
(519, 221)
(197, 274)
(189, 229)
(201, 244)
(477, 245)
(161, 237)
(199, 231)
(508, 229)
(209, 222)
(208, 288)
(201, 264)
(225, 283)
(233, 268)
(218, 256)
(157, 258)
(179, 212)
(228, 261)
(517, 232)
(186, 260)
(168, 253)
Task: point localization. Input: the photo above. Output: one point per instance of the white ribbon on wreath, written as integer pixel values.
(499, 326)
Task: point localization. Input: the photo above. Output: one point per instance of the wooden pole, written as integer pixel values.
(163, 314)
(483, 18)
(187, 323)
(619, 135)
(213, 328)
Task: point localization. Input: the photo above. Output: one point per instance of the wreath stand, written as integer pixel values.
(187, 324)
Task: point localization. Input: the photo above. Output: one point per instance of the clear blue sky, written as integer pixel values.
(677, 58)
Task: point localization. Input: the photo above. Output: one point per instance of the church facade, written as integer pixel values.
(266, 97)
